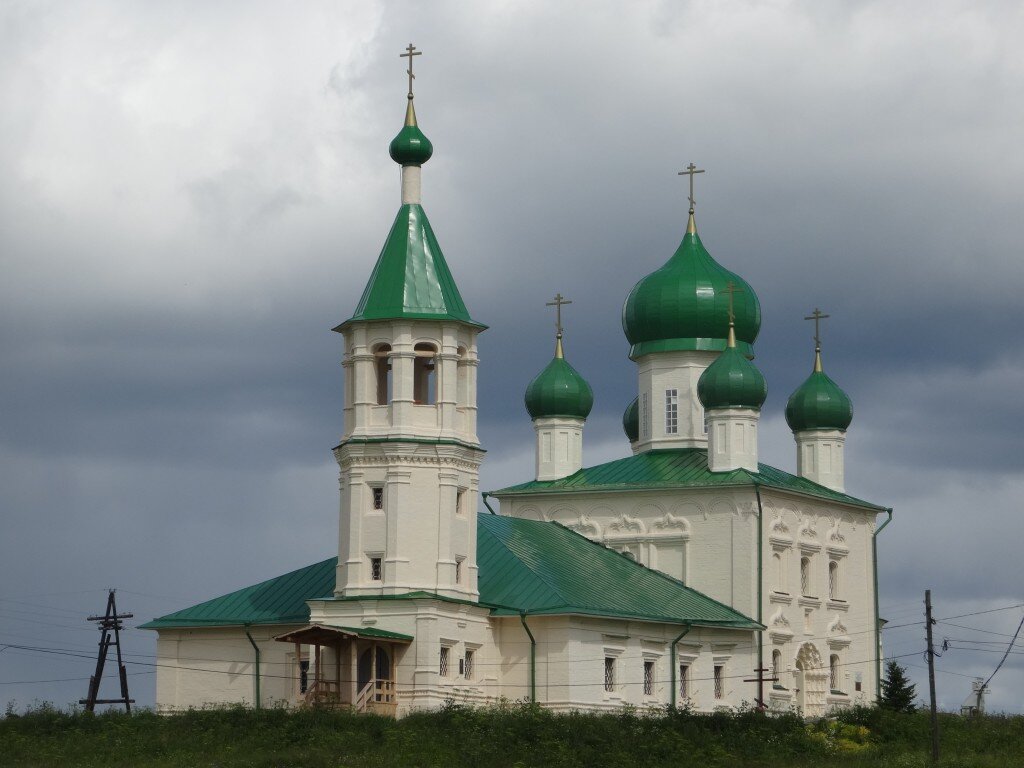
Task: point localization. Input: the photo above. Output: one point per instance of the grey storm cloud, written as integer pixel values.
(194, 195)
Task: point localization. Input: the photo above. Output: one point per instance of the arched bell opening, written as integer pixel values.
(424, 385)
(382, 371)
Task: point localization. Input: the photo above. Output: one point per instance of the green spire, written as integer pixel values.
(631, 420)
(732, 381)
(682, 305)
(819, 403)
(559, 390)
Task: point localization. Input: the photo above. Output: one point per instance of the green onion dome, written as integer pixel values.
(685, 305)
(631, 420)
(819, 403)
(732, 381)
(410, 146)
(559, 391)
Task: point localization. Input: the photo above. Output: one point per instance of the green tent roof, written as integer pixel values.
(676, 468)
(539, 568)
(411, 278)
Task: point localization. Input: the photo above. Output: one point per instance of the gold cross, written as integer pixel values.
(557, 304)
(817, 317)
(731, 289)
(410, 52)
(690, 170)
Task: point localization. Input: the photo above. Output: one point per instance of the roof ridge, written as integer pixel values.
(508, 549)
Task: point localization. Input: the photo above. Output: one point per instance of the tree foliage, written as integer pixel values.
(898, 692)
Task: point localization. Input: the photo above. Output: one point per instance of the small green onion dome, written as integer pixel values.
(631, 420)
(559, 390)
(732, 381)
(819, 403)
(410, 146)
(685, 305)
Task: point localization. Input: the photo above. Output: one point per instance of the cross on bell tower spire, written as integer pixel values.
(817, 316)
(558, 303)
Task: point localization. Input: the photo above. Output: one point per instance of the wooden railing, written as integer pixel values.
(377, 696)
(323, 693)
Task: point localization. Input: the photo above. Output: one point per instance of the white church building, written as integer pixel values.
(670, 576)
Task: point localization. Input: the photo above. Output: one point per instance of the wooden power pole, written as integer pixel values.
(109, 622)
(930, 653)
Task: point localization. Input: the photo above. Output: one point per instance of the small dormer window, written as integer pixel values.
(383, 370)
(424, 375)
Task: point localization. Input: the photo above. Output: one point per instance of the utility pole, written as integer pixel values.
(761, 680)
(930, 653)
(109, 622)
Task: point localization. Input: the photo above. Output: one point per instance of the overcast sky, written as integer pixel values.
(194, 193)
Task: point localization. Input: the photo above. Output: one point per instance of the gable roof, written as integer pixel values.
(525, 566)
(534, 567)
(411, 278)
(676, 468)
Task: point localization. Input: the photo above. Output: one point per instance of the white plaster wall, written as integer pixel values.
(732, 439)
(559, 447)
(671, 370)
(820, 457)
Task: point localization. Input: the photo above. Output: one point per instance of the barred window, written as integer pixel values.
(468, 666)
(303, 675)
(609, 673)
(648, 678)
(378, 498)
(671, 411)
(719, 682)
(376, 569)
(645, 416)
(443, 665)
(805, 575)
(684, 681)
(833, 672)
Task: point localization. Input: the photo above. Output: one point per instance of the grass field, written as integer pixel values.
(512, 735)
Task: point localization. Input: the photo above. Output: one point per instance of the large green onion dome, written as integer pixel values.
(819, 403)
(732, 381)
(559, 390)
(685, 305)
(631, 420)
(410, 146)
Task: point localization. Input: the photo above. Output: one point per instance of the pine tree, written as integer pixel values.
(897, 691)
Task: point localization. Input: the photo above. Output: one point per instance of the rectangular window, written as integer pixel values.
(378, 498)
(609, 673)
(645, 416)
(443, 663)
(468, 666)
(648, 678)
(671, 411)
(719, 682)
(684, 681)
(376, 569)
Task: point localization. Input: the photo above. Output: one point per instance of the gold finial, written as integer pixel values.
(557, 304)
(690, 170)
(817, 316)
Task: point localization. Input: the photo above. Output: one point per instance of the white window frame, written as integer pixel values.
(671, 411)
(650, 669)
(645, 415)
(609, 673)
(376, 559)
(444, 661)
(718, 671)
(377, 498)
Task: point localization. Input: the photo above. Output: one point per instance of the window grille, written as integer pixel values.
(671, 411)
(833, 579)
(833, 672)
(376, 569)
(609, 673)
(719, 682)
(684, 681)
(468, 666)
(648, 678)
(645, 416)
(805, 576)
(378, 498)
(443, 665)
(303, 675)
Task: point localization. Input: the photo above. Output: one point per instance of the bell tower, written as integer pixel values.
(409, 456)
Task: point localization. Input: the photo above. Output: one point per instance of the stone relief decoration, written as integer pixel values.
(778, 619)
(807, 530)
(529, 513)
(586, 527)
(837, 627)
(648, 511)
(724, 506)
(670, 525)
(690, 510)
(563, 515)
(835, 535)
(625, 525)
(778, 627)
(838, 637)
(779, 526)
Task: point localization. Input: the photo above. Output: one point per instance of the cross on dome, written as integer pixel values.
(690, 171)
(558, 302)
(817, 316)
(410, 52)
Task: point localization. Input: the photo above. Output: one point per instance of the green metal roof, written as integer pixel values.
(281, 600)
(539, 568)
(411, 278)
(819, 403)
(732, 381)
(544, 568)
(675, 468)
(559, 390)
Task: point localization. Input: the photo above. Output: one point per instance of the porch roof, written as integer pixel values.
(321, 634)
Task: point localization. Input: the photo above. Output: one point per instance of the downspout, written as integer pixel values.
(672, 663)
(257, 649)
(878, 628)
(760, 595)
(484, 495)
(533, 658)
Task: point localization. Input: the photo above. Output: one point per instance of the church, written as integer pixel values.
(685, 574)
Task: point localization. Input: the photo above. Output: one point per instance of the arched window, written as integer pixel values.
(383, 373)
(805, 576)
(833, 579)
(424, 382)
(777, 665)
(833, 672)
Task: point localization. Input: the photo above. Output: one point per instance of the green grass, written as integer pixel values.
(501, 736)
